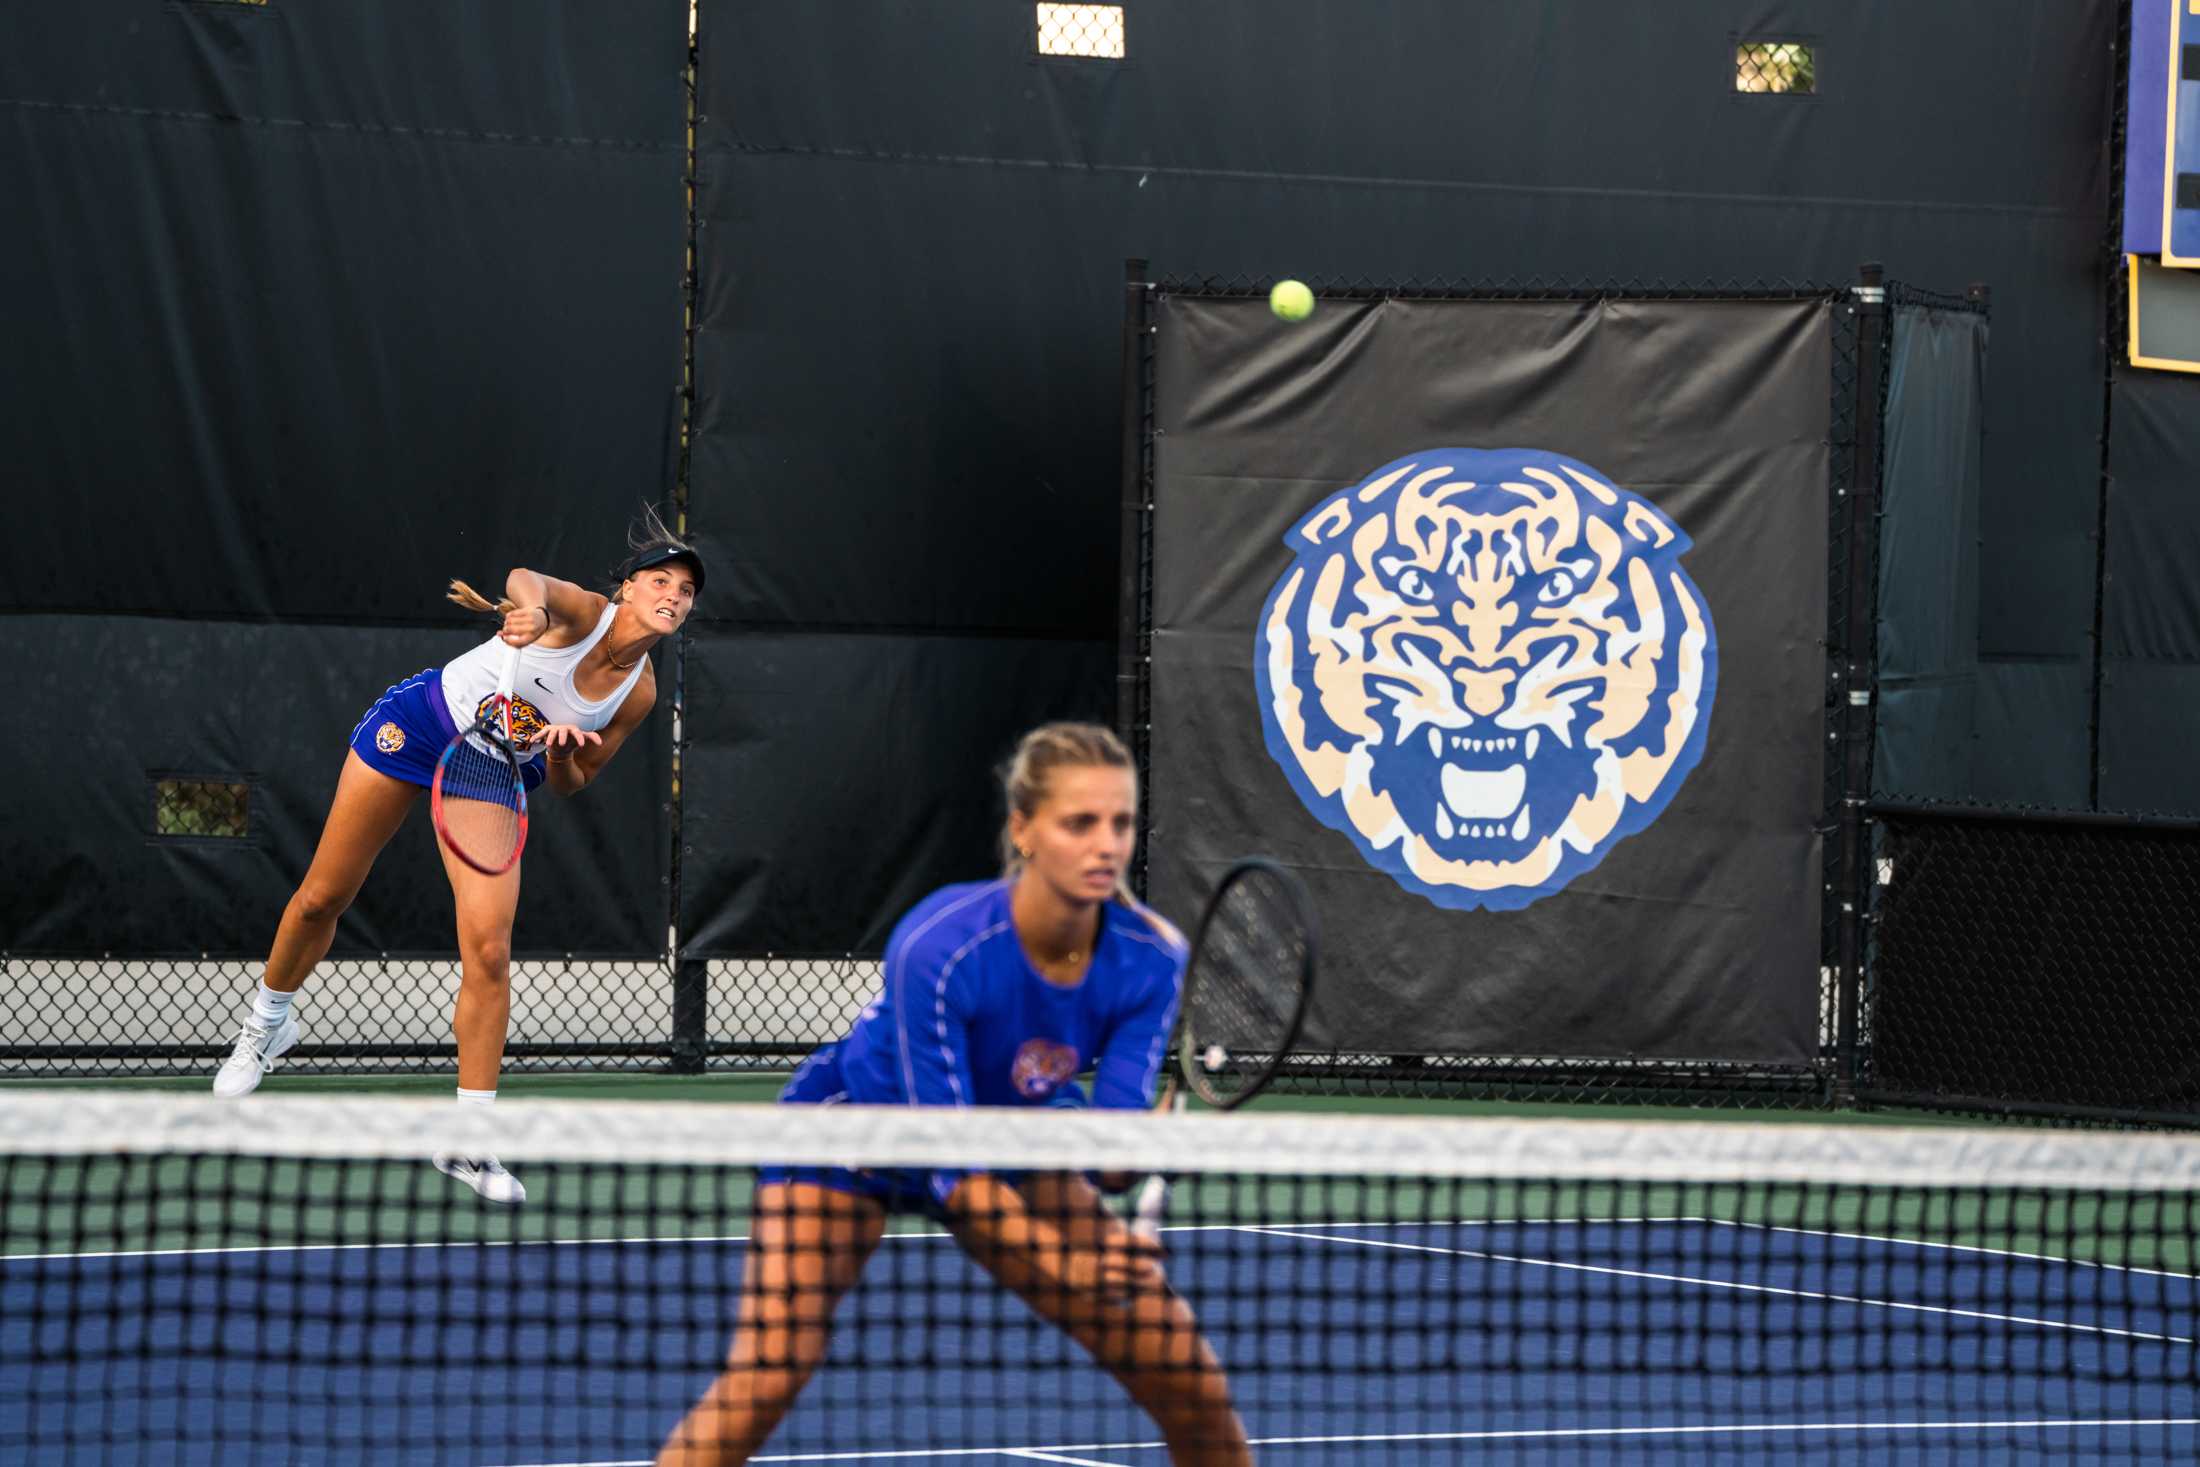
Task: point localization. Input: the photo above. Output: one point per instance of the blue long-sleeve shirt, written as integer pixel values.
(964, 1019)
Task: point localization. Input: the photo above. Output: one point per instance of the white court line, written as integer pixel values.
(2164, 1273)
(639, 1240)
(367, 1247)
(1889, 1239)
(1524, 1434)
(1724, 1429)
(1278, 1229)
(1679, 1278)
(1040, 1454)
(1281, 1229)
(644, 1240)
(636, 1241)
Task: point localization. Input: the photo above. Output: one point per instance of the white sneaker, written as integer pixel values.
(485, 1174)
(258, 1047)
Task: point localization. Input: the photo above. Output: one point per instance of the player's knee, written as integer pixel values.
(316, 902)
(488, 959)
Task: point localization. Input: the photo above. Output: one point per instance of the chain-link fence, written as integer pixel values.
(2034, 963)
(114, 1017)
(1776, 68)
(1081, 32)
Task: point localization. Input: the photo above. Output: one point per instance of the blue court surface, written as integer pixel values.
(1545, 1342)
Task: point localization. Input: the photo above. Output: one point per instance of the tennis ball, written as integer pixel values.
(1291, 300)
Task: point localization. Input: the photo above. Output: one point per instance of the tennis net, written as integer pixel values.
(281, 1280)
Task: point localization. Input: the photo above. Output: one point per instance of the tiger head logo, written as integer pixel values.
(1041, 1066)
(528, 724)
(1486, 667)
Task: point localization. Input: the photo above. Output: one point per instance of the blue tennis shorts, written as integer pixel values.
(406, 730)
(818, 1081)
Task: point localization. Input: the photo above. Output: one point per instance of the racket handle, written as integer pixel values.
(1151, 1205)
(508, 677)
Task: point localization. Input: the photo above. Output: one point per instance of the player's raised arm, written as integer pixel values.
(561, 606)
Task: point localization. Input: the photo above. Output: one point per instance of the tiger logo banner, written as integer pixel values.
(1487, 667)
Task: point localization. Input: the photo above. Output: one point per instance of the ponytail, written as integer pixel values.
(473, 600)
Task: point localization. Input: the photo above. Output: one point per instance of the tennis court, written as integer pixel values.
(1380, 1291)
(1648, 530)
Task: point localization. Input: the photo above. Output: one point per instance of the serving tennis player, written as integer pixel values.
(584, 684)
(995, 993)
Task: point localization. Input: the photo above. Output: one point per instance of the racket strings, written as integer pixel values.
(482, 800)
(1231, 999)
(1244, 1000)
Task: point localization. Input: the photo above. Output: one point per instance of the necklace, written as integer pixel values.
(621, 666)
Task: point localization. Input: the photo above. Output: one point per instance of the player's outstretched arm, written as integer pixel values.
(572, 763)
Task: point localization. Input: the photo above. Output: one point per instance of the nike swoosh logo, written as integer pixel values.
(543, 685)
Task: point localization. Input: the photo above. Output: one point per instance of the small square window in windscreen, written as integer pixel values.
(1094, 31)
(1776, 66)
(201, 807)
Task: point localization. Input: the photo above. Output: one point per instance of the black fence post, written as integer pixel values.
(1858, 683)
(690, 976)
(690, 1015)
(690, 1050)
(1134, 572)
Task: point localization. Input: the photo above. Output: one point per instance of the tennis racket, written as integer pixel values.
(1245, 995)
(478, 798)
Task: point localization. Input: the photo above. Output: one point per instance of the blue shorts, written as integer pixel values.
(818, 1081)
(406, 731)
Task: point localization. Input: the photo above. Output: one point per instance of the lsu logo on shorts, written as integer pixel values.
(1041, 1066)
(527, 720)
(1487, 668)
(389, 738)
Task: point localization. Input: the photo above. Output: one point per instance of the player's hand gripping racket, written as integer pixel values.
(478, 798)
(1245, 995)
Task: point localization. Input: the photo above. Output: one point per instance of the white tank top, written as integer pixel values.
(543, 693)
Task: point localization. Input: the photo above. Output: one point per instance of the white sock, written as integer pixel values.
(476, 1097)
(271, 1006)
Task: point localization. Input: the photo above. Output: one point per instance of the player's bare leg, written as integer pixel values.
(806, 1249)
(486, 906)
(1150, 1343)
(368, 808)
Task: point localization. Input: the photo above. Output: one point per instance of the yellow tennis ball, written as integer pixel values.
(1291, 300)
